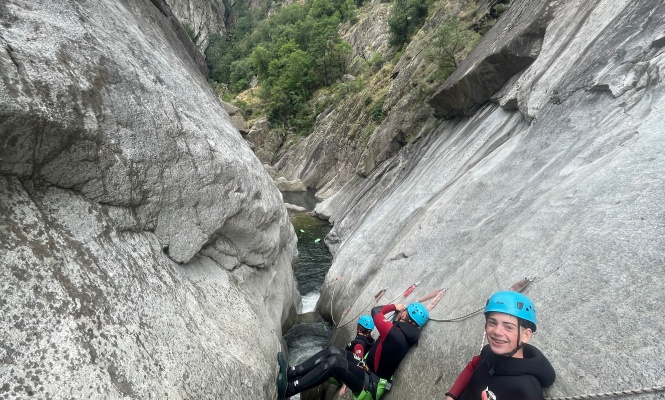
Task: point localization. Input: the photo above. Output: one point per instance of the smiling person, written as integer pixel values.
(508, 368)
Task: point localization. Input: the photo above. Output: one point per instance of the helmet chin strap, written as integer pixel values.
(519, 344)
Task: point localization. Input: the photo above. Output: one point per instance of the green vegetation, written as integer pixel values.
(190, 31)
(293, 53)
(299, 59)
(406, 18)
(499, 9)
(376, 111)
(451, 44)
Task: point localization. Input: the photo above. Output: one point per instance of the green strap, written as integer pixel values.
(380, 389)
(364, 395)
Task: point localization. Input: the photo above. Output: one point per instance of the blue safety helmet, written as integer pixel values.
(512, 303)
(366, 322)
(418, 313)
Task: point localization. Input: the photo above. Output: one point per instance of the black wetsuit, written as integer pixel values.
(510, 378)
(329, 362)
(395, 340)
(364, 341)
(383, 358)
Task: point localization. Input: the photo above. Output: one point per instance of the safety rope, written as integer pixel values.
(457, 319)
(631, 392)
(376, 299)
(378, 296)
(332, 297)
(518, 286)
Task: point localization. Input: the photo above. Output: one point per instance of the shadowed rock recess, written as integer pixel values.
(550, 165)
(144, 251)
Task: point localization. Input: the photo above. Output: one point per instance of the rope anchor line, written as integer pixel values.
(630, 392)
(518, 286)
(377, 297)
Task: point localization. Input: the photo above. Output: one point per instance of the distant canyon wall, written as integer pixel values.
(203, 17)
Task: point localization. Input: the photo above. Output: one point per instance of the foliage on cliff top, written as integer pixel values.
(294, 52)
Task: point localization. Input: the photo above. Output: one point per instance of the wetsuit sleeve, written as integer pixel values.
(379, 317)
(359, 350)
(463, 379)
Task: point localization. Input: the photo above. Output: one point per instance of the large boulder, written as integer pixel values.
(564, 185)
(237, 117)
(144, 250)
(512, 46)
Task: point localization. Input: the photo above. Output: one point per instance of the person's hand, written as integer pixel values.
(448, 398)
(483, 395)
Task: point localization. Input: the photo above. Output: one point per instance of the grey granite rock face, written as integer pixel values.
(187, 42)
(512, 45)
(204, 17)
(90, 311)
(82, 115)
(144, 250)
(566, 184)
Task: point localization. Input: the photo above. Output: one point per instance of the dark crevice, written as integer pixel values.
(182, 36)
(658, 43)
(12, 56)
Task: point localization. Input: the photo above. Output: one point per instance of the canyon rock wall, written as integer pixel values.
(144, 250)
(547, 163)
(203, 17)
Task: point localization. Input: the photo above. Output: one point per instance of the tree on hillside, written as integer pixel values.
(289, 83)
(452, 43)
(294, 52)
(407, 16)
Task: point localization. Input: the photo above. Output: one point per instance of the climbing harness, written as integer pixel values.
(436, 295)
(652, 389)
(519, 286)
(382, 386)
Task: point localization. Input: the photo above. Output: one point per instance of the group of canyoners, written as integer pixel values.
(506, 368)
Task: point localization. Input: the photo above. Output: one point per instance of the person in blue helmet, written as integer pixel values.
(369, 377)
(508, 368)
(363, 340)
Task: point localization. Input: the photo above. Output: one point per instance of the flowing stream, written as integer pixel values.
(311, 332)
